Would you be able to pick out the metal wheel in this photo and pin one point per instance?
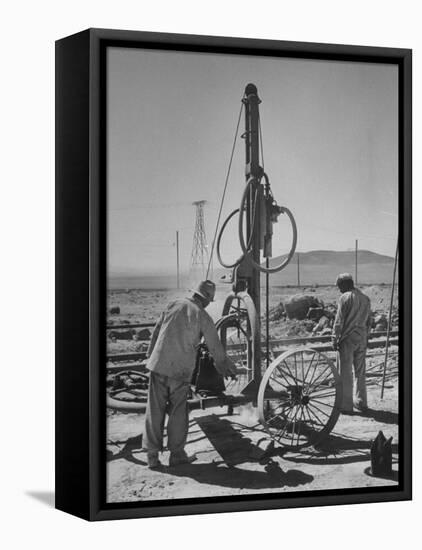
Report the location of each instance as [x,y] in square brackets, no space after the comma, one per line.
[299,398]
[239,334]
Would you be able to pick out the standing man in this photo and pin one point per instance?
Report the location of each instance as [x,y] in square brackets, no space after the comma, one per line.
[350,337]
[172,357]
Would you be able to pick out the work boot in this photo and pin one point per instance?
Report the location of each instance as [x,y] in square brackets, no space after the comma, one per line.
[177,459]
[153,461]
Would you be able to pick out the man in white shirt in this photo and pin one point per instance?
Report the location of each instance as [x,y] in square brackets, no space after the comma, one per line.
[350,337]
[172,357]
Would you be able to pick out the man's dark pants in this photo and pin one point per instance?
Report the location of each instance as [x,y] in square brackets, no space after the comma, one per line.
[166,395]
[352,354]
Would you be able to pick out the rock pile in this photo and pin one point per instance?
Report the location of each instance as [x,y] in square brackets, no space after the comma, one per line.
[304,314]
[380,320]
[298,306]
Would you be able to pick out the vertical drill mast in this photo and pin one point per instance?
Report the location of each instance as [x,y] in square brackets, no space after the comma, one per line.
[254,171]
[258,212]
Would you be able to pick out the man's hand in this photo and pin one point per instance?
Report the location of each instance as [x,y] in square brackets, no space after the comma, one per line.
[335,345]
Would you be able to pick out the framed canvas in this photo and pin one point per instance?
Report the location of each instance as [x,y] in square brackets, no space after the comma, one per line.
[233,277]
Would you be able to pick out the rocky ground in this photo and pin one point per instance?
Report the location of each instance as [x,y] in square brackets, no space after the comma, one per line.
[223,468]
[138,306]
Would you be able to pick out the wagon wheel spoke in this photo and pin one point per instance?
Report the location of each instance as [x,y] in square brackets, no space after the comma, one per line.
[314,384]
[309,366]
[290,373]
[279,370]
[311,405]
[312,422]
[322,395]
[314,371]
[279,435]
[303,369]
[310,412]
[313,400]
[279,415]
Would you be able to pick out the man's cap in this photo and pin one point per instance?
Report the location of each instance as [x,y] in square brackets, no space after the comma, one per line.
[344,277]
[206,289]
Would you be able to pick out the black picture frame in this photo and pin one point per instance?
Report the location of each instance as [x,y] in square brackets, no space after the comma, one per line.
[81,271]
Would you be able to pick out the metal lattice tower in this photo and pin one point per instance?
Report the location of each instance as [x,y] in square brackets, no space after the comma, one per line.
[199,257]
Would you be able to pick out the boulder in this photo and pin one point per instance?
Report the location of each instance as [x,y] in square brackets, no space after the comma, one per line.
[297,306]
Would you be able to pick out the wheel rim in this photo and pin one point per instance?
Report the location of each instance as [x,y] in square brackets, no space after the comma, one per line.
[236,340]
[299,398]
[238,333]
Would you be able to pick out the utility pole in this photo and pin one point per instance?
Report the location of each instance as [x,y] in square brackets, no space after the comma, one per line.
[298,269]
[199,257]
[177,259]
[356,262]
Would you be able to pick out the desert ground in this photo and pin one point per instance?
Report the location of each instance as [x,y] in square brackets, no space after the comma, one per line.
[251,465]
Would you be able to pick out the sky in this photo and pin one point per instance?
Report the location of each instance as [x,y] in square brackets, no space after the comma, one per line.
[330,150]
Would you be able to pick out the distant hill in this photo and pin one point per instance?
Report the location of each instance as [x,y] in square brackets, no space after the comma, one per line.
[334,257]
[323,266]
[316,267]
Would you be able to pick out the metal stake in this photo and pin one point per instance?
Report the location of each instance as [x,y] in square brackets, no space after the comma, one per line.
[389,320]
[298,269]
[177,259]
[356,262]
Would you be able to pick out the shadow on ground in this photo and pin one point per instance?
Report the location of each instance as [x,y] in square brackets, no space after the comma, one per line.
[234,449]
[384,417]
[45,497]
[236,478]
[336,449]
[129,446]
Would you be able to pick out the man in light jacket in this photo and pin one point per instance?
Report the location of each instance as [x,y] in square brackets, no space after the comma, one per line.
[350,337]
[172,357]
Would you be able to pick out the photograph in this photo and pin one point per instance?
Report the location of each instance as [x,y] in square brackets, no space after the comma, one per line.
[209,251]
[252,257]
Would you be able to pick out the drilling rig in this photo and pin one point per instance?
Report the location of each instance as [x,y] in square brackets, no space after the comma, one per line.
[298,394]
